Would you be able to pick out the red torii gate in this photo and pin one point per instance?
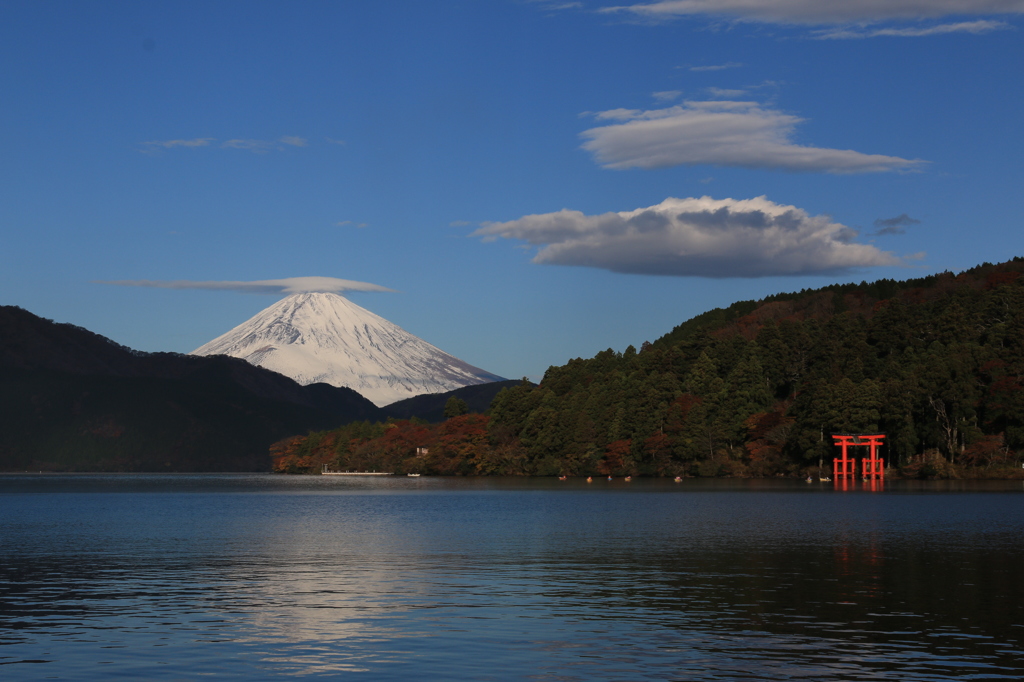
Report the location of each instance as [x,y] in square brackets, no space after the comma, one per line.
[872,467]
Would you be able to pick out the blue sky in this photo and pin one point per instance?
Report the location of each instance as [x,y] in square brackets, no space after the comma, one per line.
[536,180]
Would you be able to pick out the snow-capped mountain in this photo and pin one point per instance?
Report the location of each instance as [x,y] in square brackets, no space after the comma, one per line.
[322,337]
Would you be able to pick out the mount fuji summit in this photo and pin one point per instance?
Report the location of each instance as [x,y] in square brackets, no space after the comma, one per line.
[324,337]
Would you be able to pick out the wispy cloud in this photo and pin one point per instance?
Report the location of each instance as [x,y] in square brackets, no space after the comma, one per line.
[725,93]
[169,144]
[819,12]
[720,133]
[846,19]
[264,146]
[257,146]
[352,223]
[897,225]
[291,285]
[557,5]
[715,67]
[667,95]
[974,27]
[701,237]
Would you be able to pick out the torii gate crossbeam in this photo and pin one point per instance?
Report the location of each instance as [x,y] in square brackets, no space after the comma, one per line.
[872,467]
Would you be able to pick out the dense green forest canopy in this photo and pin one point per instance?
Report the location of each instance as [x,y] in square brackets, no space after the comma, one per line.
[756,389]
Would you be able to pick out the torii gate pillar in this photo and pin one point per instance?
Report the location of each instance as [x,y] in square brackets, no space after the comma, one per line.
[872,467]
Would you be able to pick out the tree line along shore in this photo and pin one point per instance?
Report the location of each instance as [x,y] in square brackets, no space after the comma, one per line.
[752,390]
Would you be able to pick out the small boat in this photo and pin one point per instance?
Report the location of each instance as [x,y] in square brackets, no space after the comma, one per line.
[629,478]
[679,479]
[562,478]
[609,478]
[414,475]
[590,479]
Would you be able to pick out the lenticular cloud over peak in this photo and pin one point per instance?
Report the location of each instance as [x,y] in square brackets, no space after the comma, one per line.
[702,237]
[289,285]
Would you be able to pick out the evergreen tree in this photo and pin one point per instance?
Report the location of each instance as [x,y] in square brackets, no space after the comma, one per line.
[455,407]
[746,393]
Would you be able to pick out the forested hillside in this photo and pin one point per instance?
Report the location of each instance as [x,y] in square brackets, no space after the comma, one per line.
[72,400]
[936,363]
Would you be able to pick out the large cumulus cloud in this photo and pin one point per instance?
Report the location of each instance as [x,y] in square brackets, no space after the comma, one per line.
[702,237]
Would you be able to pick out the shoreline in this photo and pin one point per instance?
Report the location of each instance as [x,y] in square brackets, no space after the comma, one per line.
[1012,474]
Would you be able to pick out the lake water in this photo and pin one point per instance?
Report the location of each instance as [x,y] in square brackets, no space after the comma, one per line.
[261,576]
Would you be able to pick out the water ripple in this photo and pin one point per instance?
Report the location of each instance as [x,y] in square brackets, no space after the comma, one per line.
[246,578]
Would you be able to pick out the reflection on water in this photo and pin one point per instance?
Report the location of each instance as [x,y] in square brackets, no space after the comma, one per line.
[260,576]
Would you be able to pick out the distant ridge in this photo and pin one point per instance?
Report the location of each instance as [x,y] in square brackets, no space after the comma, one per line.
[324,337]
[72,400]
[431,407]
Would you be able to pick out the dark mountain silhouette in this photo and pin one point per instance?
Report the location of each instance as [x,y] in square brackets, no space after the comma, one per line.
[430,407]
[72,400]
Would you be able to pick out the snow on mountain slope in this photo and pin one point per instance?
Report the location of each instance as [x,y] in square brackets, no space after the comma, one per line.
[323,337]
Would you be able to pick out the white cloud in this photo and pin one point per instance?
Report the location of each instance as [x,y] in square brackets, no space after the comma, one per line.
[263,146]
[715,67]
[617,114]
[168,144]
[821,11]
[667,95]
[724,93]
[720,133]
[291,285]
[974,27]
[701,237]
[257,146]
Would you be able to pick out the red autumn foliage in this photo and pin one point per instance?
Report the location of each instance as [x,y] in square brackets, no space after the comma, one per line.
[456,446]
[997,279]
[616,460]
